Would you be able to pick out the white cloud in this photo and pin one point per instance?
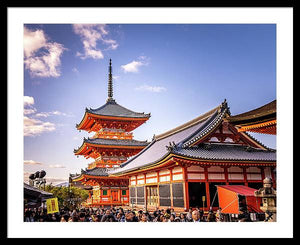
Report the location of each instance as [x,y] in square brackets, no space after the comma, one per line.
[28,100]
[132,66]
[33,41]
[28,103]
[31,162]
[56,166]
[135,64]
[51,113]
[154,89]
[90,34]
[33,127]
[41,57]
[29,111]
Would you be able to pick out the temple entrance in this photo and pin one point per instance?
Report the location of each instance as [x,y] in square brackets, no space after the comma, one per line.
[114,195]
[152,196]
[196,193]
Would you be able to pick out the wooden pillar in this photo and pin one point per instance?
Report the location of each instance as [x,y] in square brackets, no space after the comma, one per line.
[263,176]
[145,192]
[226,175]
[111,199]
[273,177]
[120,196]
[186,188]
[158,203]
[171,189]
[245,176]
[207,187]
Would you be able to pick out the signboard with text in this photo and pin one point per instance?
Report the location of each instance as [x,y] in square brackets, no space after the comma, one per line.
[52,205]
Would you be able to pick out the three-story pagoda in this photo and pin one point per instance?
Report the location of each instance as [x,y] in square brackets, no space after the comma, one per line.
[111,145]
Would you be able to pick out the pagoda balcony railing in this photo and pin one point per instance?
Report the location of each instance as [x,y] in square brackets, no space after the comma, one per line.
[104,163]
[113,135]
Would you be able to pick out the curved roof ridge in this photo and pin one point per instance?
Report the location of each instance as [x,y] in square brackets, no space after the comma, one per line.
[207,127]
[264,110]
[121,113]
[188,124]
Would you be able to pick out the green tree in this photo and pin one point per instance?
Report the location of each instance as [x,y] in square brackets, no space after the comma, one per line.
[69,197]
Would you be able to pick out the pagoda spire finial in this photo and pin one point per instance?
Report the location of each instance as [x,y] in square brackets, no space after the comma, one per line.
[110,85]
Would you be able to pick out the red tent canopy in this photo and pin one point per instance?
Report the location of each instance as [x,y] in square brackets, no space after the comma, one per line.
[240,189]
[229,198]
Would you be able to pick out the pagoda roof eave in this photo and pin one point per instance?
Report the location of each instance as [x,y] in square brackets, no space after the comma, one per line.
[113,109]
[78,178]
[85,121]
[110,143]
[124,118]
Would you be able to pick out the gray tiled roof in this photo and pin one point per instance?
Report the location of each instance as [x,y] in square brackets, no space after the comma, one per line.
[226,152]
[96,172]
[112,108]
[157,150]
[116,142]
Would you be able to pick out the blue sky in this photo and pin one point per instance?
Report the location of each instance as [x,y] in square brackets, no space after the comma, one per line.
[175,72]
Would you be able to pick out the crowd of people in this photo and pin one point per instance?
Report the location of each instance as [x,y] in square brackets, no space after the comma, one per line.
[120,215]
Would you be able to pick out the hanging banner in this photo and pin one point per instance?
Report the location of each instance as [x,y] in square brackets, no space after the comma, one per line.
[52,205]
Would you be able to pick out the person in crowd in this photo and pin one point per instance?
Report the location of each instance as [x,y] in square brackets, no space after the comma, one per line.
[219,216]
[167,214]
[156,212]
[82,217]
[28,215]
[196,216]
[244,215]
[177,219]
[165,219]
[182,217]
[144,218]
[108,217]
[211,217]
[130,216]
[62,219]
[172,218]
[189,217]
[140,214]
[120,217]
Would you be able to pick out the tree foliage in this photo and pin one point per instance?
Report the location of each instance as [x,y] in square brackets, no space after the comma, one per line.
[69,197]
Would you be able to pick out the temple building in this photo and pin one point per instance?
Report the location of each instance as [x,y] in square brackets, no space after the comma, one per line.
[111,145]
[182,167]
